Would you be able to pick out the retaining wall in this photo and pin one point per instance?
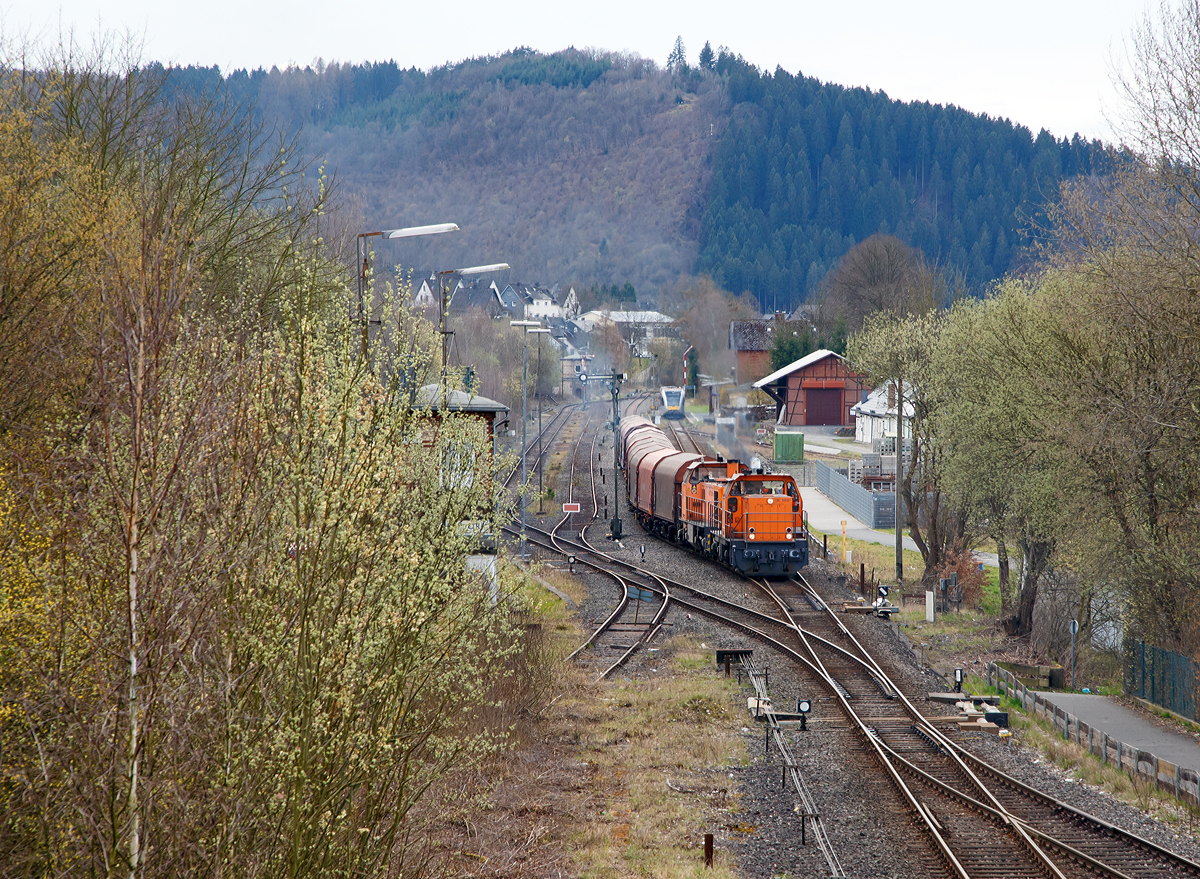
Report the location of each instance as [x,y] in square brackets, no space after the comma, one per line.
[1184,783]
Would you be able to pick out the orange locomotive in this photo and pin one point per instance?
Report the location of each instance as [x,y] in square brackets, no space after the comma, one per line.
[749,520]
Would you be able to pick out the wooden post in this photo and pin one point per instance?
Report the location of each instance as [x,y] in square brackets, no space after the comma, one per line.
[708,849]
[862,578]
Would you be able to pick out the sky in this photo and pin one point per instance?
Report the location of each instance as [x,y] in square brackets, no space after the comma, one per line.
[1047,64]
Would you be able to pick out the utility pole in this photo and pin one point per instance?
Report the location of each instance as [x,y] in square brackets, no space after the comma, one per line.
[537,390]
[614,386]
[899,479]
[444,322]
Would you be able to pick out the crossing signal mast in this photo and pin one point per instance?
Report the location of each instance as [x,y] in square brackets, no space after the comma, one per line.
[613,381]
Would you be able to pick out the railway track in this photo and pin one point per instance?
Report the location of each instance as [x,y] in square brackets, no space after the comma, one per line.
[976,820]
[982,822]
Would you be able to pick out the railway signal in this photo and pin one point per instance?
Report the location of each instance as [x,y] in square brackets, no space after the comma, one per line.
[1074,632]
[614,380]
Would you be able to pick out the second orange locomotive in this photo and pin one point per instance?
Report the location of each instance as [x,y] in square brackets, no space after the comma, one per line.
[749,520]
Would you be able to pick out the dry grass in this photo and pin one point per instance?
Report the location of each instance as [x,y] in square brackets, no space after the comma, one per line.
[609,780]
[1076,762]
[879,558]
[658,749]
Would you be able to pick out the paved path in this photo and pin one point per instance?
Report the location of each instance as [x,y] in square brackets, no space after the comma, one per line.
[1111,717]
[822,450]
[826,516]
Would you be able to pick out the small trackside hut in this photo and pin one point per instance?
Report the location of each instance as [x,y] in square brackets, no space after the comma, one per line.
[818,389]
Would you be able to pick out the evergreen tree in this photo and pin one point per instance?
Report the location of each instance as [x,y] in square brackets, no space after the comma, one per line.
[707,59]
[677,60]
[789,348]
[806,170]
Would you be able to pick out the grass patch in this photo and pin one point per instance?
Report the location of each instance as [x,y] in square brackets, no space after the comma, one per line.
[1038,734]
[879,558]
[657,754]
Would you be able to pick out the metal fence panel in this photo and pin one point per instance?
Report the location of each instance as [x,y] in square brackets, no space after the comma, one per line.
[1160,676]
[852,498]
[885,510]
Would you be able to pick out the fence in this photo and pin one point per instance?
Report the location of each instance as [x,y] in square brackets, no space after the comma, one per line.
[874,509]
[1160,676]
[1184,783]
[804,474]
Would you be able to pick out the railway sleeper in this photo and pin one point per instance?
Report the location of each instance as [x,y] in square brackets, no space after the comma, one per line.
[928,738]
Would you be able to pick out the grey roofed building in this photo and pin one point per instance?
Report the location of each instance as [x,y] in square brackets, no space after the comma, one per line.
[751,335]
[509,299]
[436,397]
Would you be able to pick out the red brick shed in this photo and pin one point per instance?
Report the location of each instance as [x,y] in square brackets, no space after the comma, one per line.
[817,389]
[751,342]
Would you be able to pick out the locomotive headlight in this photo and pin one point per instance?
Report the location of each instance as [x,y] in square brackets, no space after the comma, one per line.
[789,533]
[751,534]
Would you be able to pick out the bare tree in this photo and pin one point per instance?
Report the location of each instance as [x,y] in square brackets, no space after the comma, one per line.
[879,275]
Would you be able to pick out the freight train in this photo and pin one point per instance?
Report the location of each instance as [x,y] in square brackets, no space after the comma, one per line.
[746,519]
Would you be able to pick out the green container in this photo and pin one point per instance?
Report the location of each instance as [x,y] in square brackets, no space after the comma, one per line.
[789,446]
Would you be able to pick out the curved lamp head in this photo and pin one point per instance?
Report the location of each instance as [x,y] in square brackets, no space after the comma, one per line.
[477,270]
[415,231]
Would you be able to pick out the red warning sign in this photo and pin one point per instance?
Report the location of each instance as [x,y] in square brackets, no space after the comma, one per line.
[570,508]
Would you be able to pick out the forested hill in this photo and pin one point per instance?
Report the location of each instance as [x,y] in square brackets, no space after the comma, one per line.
[595,168]
[804,170]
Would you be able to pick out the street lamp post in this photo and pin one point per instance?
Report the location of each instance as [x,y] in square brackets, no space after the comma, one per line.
[537,386]
[444,297]
[364,266]
[525,330]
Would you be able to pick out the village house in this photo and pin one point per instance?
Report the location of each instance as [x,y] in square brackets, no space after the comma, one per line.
[637,328]
[751,342]
[875,417]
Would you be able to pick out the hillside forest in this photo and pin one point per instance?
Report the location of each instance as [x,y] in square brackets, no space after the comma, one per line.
[592,168]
